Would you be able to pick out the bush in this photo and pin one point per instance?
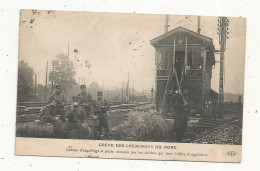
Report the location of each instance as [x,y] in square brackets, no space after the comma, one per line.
[142,126]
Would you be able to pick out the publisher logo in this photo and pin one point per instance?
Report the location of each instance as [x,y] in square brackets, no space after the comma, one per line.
[231,153]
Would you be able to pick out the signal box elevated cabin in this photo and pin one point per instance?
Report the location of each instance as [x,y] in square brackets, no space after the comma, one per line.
[189,56]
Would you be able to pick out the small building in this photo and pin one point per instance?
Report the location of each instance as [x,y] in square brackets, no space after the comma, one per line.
[189,56]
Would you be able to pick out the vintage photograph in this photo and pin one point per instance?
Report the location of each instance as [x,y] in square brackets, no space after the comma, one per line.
[130,78]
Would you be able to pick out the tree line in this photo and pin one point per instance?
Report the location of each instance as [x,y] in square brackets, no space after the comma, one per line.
[63,73]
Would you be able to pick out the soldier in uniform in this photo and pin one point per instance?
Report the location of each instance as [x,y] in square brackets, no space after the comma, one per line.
[101,109]
[180,118]
[47,116]
[51,112]
[76,122]
[86,101]
[57,103]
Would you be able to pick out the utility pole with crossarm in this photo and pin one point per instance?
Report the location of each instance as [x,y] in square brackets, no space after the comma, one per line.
[223,32]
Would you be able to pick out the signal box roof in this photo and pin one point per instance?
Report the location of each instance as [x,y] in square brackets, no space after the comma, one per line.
[193,37]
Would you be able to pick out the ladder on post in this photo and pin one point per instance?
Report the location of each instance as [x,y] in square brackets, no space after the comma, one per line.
[166,90]
[179,88]
[171,74]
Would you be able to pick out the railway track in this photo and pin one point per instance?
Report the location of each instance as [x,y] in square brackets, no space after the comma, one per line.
[31,113]
[200,130]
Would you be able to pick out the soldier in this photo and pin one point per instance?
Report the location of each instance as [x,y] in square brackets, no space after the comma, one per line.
[86,101]
[101,109]
[47,116]
[57,103]
[180,118]
[76,122]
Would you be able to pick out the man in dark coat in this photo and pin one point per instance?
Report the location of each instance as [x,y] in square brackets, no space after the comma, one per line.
[181,116]
[101,110]
[57,103]
[86,101]
[76,122]
[53,112]
[47,116]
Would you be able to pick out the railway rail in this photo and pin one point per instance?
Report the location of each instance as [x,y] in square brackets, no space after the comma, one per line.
[199,129]
[31,113]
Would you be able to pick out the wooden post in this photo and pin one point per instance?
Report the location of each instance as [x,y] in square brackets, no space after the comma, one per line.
[35,90]
[173,58]
[198,25]
[123,87]
[166,26]
[203,75]
[204,60]
[186,55]
[52,78]
[168,58]
[46,79]
[133,88]
[156,84]
[68,49]
[152,91]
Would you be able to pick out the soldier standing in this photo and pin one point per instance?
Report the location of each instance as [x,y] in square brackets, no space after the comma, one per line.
[76,122]
[101,109]
[57,103]
[86,101]
[180,118]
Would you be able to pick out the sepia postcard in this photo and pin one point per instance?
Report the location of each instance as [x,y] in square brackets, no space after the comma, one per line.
[131,86]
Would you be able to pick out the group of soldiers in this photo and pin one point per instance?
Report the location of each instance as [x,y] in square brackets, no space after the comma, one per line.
[71,121]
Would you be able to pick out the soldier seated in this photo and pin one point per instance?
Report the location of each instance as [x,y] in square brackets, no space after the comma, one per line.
[57,103]
[47,116]
[76,122]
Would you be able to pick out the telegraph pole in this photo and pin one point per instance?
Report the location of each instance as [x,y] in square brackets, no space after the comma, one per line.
[123,87]
[52,78]
[103,84]
[223,24]
[152,91]
[68,49]
[35,88]
[166,26]
[199,29]
[46,78]
[133,88]
[127,88]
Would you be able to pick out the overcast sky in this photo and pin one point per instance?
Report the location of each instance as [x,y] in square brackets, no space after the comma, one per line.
[116,44]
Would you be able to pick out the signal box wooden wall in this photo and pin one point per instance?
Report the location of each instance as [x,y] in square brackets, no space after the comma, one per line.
[192,54]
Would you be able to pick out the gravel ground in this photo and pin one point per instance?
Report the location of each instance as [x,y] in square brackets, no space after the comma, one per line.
[228,133]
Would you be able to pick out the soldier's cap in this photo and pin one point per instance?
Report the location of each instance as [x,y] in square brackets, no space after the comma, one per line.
[99,93]
[82,86]
[58,87]
[75,98]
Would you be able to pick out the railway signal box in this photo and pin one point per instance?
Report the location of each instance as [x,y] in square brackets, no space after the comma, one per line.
[184,60]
